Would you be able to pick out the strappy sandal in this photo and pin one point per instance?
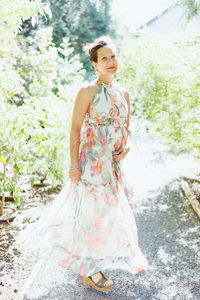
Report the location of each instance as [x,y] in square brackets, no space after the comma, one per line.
[99,285]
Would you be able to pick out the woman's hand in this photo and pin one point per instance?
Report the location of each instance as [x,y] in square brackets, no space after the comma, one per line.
[75,175]
[121,153]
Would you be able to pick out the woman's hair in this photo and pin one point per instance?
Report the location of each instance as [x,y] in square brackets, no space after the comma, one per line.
[91,48]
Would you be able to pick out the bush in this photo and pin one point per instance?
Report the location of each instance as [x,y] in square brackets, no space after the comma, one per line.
[37,92]
[162,75]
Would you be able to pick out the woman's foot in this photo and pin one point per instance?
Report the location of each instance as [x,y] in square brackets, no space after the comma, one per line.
[99,282]
[98,276]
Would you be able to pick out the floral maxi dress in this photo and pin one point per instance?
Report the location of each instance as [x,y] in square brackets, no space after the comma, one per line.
[90,226]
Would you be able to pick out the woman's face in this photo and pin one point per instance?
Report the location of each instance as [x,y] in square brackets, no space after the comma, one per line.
[106,60]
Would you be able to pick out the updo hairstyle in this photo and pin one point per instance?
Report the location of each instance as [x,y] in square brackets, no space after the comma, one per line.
[91,48]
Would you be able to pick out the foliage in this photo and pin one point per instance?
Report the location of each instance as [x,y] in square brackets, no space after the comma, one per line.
[14,13]
[80,21]
[192,7]
[92,24]
[37,91]
[162,75]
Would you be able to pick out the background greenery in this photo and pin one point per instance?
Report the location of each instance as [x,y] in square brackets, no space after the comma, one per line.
[80,21]
[162,75]
[192,7]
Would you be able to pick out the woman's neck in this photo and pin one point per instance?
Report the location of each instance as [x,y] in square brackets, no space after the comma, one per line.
[105,79]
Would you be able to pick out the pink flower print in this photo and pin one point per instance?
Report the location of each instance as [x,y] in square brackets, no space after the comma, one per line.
[102,139]
[93,112]
[90,135]
[120,243]
[81,271]
[97,222]
[72,247]
[123,140]
[83,157]
[117,128]
[120,178]
[94,194]
[87,191]
[139,269]
[96,168]
[113,112]
[66,262]
[95,241]
[109,198]
[129,193]
[117,144]
[54,235]
[117,124]
[98,121]
[109,229]
[70,255]
[117,188]
[114,174]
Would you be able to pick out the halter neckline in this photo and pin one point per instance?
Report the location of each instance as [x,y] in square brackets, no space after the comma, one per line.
[110,84]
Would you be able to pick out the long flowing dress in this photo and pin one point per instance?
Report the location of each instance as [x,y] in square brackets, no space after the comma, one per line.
[90,226]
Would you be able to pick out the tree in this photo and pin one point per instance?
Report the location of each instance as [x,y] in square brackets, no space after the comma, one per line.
[192,7]
[91,25]
[14,13]
[80,21]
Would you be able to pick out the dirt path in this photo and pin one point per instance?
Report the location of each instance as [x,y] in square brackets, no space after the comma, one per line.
[169,236]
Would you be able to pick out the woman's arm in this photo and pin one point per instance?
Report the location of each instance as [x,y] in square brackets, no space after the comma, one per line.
[126,94]
[80,108]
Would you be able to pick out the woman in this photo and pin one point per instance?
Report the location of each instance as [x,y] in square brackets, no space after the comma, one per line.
[91,224]
[105,135]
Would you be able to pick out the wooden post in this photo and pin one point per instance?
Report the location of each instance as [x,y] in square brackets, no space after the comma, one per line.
[191,197]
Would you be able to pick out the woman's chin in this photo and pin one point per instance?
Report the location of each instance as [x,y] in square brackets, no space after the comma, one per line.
[112,70]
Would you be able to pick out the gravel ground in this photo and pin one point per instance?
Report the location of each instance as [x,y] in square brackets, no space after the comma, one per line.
[168,231]
[170,239]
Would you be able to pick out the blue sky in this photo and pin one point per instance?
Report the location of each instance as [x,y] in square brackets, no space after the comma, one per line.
[135,13]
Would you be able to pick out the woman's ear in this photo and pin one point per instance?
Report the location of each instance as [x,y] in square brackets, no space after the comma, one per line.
[94,64]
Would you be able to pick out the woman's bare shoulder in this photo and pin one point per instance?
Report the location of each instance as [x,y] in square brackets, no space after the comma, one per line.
[123,91]
[88,88]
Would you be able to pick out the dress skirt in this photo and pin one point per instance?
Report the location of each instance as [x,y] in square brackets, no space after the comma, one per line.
[86,229]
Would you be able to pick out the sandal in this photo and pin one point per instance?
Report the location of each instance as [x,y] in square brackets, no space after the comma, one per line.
[99,285]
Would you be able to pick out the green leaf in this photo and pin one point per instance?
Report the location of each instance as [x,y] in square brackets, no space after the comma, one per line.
[34,20]
[32,181]
[47,10]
